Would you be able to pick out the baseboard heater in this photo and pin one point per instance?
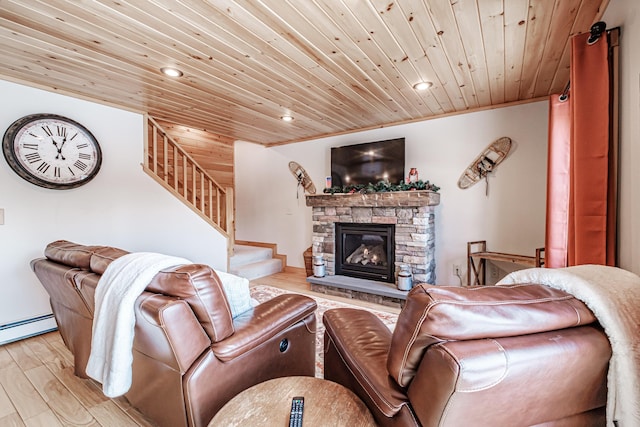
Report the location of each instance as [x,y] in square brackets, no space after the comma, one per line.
[27,328]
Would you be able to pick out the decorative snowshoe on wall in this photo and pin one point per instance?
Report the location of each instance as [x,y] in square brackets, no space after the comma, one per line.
[303,178]
[485,163]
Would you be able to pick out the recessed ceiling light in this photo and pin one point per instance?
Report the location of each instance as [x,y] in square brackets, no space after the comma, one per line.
[422,85]
[171,72]
[286,118]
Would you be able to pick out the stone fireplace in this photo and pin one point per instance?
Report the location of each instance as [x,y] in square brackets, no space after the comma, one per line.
[412,217]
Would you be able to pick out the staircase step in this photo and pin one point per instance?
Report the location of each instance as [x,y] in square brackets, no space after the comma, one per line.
[258,269]
[243,254]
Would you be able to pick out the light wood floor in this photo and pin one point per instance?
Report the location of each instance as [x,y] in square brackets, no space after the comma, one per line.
[38,388]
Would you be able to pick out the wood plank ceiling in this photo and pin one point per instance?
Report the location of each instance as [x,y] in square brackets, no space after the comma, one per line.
[336,66]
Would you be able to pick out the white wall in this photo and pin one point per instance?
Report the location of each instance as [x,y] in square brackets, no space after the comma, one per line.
[511,218]
[626,15]
[121,206]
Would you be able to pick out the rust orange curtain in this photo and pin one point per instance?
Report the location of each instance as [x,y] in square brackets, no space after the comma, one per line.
[581,188]
[558,180]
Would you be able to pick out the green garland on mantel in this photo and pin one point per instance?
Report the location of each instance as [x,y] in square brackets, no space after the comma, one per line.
[382,187]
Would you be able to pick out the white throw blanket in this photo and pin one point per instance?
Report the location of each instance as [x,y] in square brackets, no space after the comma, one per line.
[114,317]
[613,295]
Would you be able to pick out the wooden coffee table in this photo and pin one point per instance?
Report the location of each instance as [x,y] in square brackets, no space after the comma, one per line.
[268,404]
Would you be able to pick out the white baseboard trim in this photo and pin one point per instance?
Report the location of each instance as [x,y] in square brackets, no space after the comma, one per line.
[27,328]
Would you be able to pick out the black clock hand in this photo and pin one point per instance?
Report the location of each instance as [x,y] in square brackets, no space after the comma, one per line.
[60,149]
[59,155]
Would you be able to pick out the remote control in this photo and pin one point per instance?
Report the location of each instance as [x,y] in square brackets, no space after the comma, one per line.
[297,407]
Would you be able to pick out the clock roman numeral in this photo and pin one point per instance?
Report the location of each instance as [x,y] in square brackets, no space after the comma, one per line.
[62,131]
[30,146]
[71,171]
[32,157]
[84,156]
[47,130]
[74,135]
[56,172]
[80,165]
[81,146]
[44,167]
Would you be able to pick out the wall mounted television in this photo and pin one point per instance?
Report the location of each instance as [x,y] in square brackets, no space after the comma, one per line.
[371,162]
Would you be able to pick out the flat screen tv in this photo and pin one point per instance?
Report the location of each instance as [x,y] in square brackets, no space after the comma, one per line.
[371,162]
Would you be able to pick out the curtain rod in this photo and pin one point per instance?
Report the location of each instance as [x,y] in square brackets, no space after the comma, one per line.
[596,31]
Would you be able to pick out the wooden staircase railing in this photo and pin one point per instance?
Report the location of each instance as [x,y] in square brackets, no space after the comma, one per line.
[172,167]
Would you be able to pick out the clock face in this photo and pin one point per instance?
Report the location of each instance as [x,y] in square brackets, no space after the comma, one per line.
[52,151]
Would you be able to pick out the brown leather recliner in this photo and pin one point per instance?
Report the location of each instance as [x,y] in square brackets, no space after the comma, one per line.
[518,355]
[189,355]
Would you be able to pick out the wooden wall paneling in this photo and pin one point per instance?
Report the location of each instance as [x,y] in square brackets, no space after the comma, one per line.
[343,46]
[305,18]
[337,66]
[538,24]
[305,84]
[126,92]
[563,17]
[401,72]
[285,19]
[589,12]
[84,75]
[271,45]
[444,47]
[213,153]
[261,82]
[492,21]
[515,34]
[375,63]
[470,32]
[169,43]
[378,66]
[400,25]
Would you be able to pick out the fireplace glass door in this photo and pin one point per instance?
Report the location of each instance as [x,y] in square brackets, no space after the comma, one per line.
[365,251]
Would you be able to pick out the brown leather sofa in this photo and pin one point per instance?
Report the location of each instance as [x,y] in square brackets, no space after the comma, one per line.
[189,355]
[517,355]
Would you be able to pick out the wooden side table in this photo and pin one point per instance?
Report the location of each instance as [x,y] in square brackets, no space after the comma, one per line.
[269,403]
[479,250]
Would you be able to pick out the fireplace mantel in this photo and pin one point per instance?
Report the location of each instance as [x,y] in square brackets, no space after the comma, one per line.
[387,199]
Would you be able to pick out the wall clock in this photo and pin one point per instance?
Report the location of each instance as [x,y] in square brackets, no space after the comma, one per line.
[52,151]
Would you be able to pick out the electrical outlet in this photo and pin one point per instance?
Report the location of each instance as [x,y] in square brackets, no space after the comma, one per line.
[457,271]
